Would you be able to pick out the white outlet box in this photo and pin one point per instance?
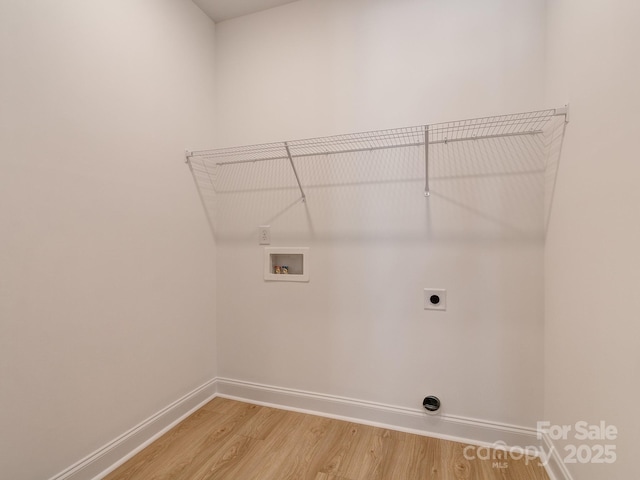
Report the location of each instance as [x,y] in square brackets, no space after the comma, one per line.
[435,299]
[264,234]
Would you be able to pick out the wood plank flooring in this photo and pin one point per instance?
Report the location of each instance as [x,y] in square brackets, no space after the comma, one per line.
[227,439]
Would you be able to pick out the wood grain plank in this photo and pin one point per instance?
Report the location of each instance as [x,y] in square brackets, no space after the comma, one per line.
[417,457]
[187,443]
[339,453]
[225,460]
[370,456]
[263,423]
[227,439]
[456,465]
[268,455]
[305,459]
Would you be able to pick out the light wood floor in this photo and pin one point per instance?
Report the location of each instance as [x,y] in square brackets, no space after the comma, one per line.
[227,439]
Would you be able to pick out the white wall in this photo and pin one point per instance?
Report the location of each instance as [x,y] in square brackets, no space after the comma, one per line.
[592,262]
[107,284]
[358,328]
[314,68]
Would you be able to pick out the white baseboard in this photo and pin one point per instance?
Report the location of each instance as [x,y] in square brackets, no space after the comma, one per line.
[448,427]
[106,459]
[556,469]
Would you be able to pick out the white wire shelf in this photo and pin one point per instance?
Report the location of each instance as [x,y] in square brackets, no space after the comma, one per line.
[527,123]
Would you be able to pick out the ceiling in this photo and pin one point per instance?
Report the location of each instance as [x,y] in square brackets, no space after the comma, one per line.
[219,10]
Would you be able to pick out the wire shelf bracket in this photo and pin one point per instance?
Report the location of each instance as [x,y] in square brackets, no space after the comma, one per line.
[563,111]
[295,172]
[426,161]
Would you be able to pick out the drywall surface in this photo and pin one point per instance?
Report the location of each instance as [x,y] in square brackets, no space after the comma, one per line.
[358,328]
[107,284]
[314,68]
[592,264]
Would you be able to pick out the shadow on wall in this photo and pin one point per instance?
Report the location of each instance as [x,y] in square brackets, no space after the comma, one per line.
[554,140]
[481,190]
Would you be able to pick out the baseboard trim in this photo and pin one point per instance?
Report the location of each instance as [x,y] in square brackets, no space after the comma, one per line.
[106,459]
[448,427]
[556,468]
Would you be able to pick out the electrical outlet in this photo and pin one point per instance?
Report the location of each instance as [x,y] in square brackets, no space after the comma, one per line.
[435,299]
[264,234]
